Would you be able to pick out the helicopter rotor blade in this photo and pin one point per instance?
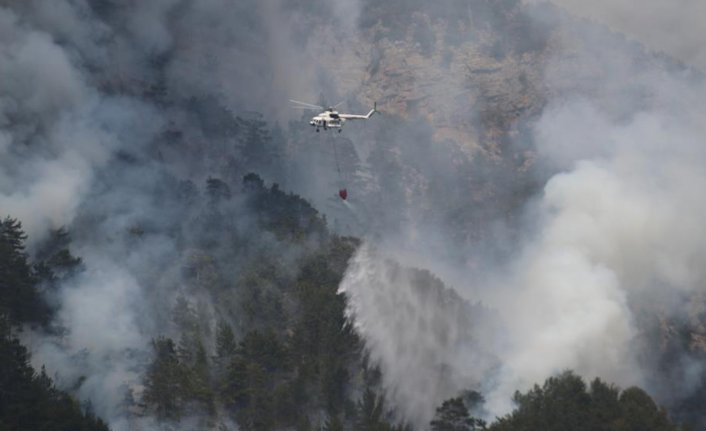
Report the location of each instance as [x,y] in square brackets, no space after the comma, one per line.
[339,104]
[307,104]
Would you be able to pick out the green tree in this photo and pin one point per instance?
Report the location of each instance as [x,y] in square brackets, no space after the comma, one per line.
[19,297]
[605,407]
[324,342]
[370,412]
[259,149]
[639,412]
[196,372]
[234,389]
[55,261]
[250,385]
[164,382]
[257,412]
[217,190]
[29,401]
[225,340]
[564,403]
[453,415]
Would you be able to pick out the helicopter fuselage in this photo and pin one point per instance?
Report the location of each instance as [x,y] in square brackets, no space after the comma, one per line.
[327,120]
[330,118]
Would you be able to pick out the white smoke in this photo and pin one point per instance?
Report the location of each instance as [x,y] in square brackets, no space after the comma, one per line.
[72,97]
[617,225]
[102,327]
[426,340]
[613,229]
[57,129]
[673,27]
[621,220]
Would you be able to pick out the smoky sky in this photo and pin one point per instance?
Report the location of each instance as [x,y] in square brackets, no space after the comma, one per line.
[542,166]
[674,28]
[613,226]
[105,107]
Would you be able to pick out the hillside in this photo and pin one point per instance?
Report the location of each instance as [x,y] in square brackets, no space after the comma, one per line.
[525,203]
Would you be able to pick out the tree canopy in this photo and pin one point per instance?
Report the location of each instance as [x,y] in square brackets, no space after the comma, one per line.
[565,403]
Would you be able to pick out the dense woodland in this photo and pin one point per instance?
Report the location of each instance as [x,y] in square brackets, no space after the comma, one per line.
[28,398]
[246,325]
[283,358]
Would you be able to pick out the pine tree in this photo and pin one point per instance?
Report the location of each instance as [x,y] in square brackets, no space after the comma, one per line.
[370,411]
[19,297]
[225,340]
[217,190]
[453,415]
[29,401]
[564,403]
[639,412]
[164,386]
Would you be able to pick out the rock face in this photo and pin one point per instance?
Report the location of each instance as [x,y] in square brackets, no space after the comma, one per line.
[456,83]
[476,72]
[457,78]
[478,78]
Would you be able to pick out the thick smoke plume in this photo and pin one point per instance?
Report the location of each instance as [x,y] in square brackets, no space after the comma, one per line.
[614,234]
[427,342]
[101,102]
[101,105]
[670,27]
[56,129]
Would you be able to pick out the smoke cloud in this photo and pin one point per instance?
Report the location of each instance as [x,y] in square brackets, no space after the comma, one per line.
[426,340]
[568,202]
[674,28]
[614,233]
[102,106]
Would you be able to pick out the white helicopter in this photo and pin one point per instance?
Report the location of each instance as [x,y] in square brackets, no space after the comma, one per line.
[330,118]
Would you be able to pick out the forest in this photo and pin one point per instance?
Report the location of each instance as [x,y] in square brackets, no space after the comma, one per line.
[520,246]
[292,360]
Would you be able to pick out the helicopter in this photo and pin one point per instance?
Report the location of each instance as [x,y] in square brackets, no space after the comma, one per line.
[330,118]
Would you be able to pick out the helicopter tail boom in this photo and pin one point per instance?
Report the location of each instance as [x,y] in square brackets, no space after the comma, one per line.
[372,111]
[360,117]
